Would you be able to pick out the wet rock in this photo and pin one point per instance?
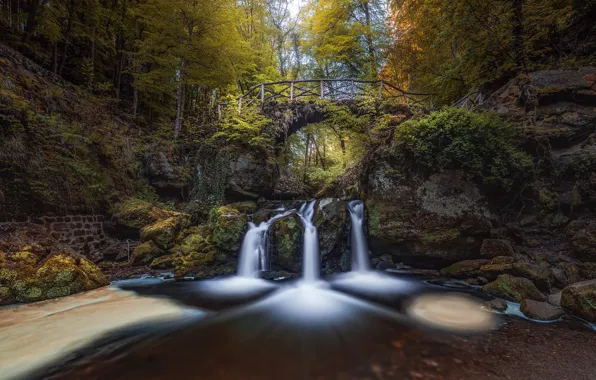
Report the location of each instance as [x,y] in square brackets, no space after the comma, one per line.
[332,221]
[286,236]
[555,299]
[228,226]
[145,253]
[492,248]
[496,304]
[539,275]
[580,299]
[542,311]
[164,262]
[513,288]
[464,269]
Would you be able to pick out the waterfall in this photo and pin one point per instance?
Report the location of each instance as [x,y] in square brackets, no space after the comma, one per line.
[253,254]
[252,249]
[360,261]
[310,247]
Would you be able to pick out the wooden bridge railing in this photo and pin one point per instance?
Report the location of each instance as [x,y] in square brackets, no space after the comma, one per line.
[329,89]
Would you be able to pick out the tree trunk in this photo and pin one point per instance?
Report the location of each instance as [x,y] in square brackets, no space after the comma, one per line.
[55,57]
[369,41]
[518,33]
[342,143]
[32,9]
[306,155]
[180,99]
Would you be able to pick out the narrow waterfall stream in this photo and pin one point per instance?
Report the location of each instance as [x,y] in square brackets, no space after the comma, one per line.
[360,260]
[253,254]
[310,247]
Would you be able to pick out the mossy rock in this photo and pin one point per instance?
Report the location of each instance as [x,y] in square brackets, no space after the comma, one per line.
[580,299]
[145,253]
[286,235]
[332,222]
[24,257]
[541,276]
[228,226]
[464,269]
[194,262]
[136,213]
[513,289]
[162,233]
[165,262]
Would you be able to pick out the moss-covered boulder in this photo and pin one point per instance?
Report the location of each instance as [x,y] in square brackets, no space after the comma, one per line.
[228,226]
[464,269]
[513,289]
[145,253]
[162,233]
[580,299]
[285,237]
[59,275]
[195,254]
[135,213]
[492,248]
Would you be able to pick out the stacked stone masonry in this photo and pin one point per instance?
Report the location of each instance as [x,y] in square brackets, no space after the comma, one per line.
[82,233]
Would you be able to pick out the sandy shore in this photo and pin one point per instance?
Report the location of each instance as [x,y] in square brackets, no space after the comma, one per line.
[34,335]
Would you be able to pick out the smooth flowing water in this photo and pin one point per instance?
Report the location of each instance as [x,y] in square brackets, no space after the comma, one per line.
[360,260]
[253,254]
[310,247]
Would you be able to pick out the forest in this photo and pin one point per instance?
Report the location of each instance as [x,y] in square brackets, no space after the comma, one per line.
[297,189]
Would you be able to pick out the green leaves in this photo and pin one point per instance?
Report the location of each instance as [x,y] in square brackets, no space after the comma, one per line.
[480,145]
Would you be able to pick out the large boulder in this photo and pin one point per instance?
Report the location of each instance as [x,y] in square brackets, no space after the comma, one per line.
[580,299]
[228,226]
[439,220]
[61,274]
[332,222]
[513,289]
[583,243]
[542,311]
[285,237]
[135,213]
[164,232]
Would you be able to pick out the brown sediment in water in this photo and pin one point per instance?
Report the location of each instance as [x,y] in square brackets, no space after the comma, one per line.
[34,335]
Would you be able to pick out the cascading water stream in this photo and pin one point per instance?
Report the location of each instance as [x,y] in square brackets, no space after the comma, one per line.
[360,260]
[253,254]
[310,247]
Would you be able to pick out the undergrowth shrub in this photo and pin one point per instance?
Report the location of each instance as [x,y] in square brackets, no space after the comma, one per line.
[482,146]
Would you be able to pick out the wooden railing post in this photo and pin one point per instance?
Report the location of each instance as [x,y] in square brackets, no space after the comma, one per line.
[262,93]
[239,105]
[322,95]
[292,91]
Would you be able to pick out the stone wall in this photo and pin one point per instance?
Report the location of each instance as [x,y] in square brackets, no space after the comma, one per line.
[82,233]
